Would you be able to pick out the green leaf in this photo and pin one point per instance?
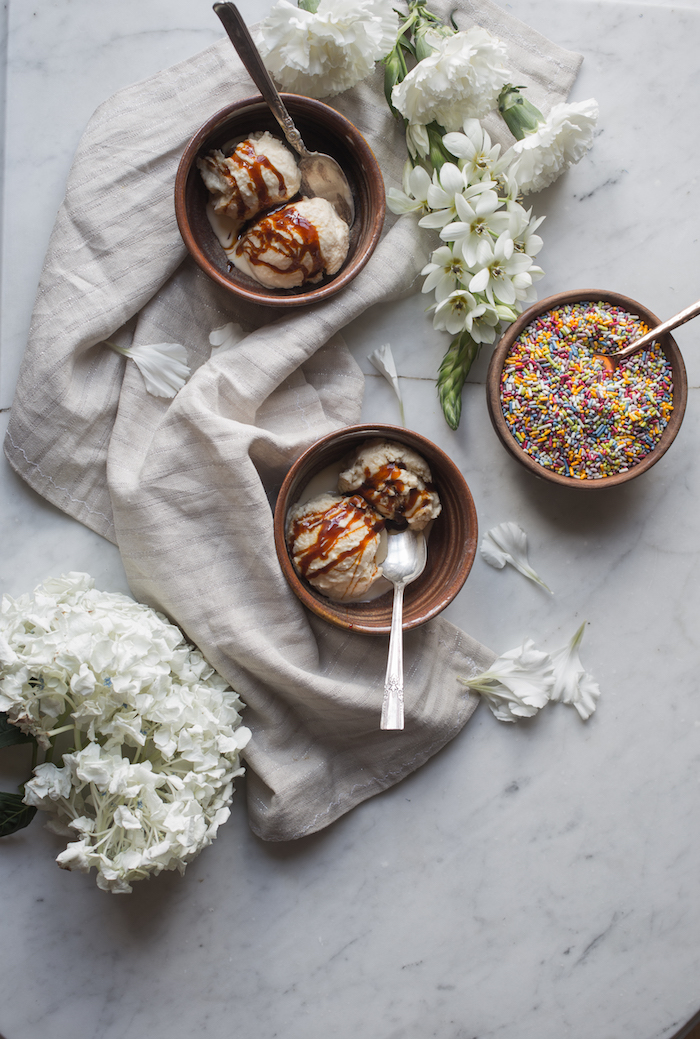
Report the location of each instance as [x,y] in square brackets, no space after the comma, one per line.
[11,734]
[14,814]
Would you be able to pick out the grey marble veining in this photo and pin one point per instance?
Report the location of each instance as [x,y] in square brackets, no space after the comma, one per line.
[533,881]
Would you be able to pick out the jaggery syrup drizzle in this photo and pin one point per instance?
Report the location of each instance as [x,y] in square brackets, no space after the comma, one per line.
[293,242]
[333,527]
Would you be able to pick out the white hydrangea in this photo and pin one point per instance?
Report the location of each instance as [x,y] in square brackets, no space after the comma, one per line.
[325,52]
[156,733]
[461,79]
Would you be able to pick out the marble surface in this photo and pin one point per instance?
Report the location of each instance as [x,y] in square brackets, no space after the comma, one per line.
[536,881]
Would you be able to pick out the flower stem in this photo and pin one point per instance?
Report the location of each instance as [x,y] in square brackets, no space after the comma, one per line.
[453,372]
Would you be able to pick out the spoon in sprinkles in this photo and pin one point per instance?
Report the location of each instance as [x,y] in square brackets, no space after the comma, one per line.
[611,361]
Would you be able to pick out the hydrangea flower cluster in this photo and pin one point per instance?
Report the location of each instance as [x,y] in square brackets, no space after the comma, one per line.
[152,734]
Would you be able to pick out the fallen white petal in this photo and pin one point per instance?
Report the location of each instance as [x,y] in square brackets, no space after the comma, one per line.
[383,361]
[507,543]
[573,685]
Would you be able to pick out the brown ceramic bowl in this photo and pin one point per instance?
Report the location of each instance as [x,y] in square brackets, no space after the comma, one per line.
[493,389]
[322,129]
[451,545]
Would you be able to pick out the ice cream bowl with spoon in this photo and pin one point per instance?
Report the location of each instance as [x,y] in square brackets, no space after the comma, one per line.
[322,127]
[451,536]
[567,416]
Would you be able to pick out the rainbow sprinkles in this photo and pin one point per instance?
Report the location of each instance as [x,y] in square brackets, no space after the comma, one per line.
[571,414]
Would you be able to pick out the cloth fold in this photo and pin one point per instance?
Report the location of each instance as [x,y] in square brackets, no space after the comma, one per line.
[186,487]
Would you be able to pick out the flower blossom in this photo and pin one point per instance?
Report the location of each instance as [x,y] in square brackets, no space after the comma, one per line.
[558,142]
[517,684]
[327,51]
[156,732]
[523,680]
[462,78]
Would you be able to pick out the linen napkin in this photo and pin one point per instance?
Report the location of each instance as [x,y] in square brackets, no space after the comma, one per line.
[186,487]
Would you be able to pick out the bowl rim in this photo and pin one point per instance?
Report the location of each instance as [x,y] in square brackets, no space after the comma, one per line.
[367,161]
[332,611]
[493,393]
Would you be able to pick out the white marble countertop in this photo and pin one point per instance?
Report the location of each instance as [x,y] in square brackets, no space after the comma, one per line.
[537,881]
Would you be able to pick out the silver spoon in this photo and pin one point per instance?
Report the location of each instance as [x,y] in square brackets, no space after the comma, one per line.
[406,556]
[612,360]
[321,176]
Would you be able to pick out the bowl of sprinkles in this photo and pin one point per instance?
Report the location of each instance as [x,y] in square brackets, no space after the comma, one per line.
[567,416]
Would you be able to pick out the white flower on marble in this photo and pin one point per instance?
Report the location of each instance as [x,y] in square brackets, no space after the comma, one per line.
[227,336]
[572,683]
[383,360]
[558,143]
[150,734]
[518,684]
[507,544]
[325,51]
[461,78]
[522,681]
[163,365]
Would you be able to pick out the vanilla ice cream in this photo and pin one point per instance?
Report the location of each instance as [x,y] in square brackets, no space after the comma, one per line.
[296,244]
[395,480]
[260,173]
[334,541]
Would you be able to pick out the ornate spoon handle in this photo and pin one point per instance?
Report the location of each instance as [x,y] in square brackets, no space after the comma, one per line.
[392,706]
[250,56]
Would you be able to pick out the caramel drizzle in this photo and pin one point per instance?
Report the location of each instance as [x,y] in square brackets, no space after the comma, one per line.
[330,527]
[290,236]
[247,159]
[387,484]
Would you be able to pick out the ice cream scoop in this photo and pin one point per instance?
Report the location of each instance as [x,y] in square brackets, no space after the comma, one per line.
[259,173]
[395,480]
[299,243]
[333,542]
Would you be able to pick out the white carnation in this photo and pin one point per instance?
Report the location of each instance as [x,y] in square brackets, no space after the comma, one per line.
[461,79]
[323,53]
[559,142]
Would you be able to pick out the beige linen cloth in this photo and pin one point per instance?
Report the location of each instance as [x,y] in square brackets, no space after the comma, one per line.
[185,487]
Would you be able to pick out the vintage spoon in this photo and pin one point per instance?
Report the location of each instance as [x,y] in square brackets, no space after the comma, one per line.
[321,176]
[611,361]
[406,556]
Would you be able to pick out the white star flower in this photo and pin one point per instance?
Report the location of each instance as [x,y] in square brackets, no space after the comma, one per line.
[495,278]
[478,222]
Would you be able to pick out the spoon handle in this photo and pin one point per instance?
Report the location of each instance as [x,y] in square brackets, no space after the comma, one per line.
[250,56]
[392,706]
[673,322]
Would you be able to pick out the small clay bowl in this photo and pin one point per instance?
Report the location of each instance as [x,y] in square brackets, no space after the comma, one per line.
[503,349]
[322,129]
[451,545]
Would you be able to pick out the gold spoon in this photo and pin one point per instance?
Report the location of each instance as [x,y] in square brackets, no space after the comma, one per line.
[611,361]
[321,176]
